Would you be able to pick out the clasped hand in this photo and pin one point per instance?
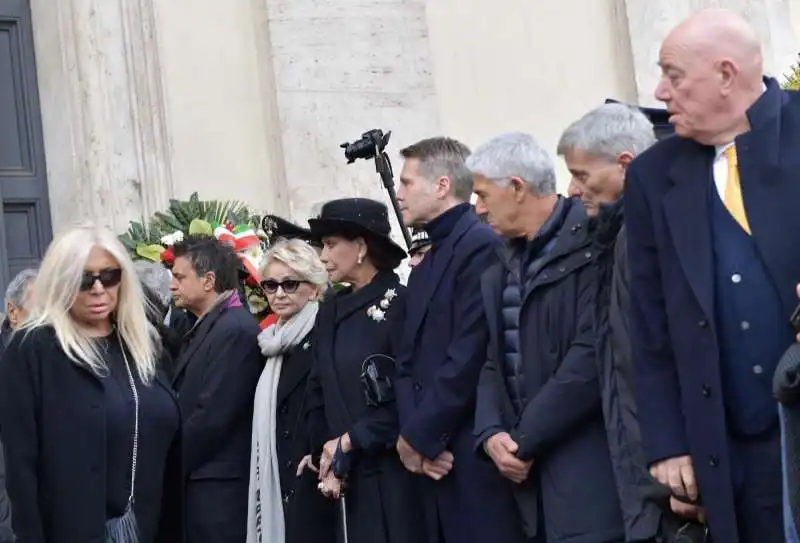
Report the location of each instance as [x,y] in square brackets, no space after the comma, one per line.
[414,462]
[502,449]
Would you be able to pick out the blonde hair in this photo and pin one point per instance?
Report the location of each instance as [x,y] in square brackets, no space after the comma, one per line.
[56,289]
[302,258]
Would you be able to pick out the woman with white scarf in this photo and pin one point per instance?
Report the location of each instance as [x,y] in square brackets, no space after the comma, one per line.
[285,504]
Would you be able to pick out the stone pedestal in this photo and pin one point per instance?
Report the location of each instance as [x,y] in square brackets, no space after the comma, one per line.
[342,67]
[102,110]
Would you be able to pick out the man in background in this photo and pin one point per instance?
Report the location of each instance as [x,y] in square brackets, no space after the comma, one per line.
[18,294]
[215,377]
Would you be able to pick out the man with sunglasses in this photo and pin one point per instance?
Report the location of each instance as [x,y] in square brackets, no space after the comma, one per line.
[216,376]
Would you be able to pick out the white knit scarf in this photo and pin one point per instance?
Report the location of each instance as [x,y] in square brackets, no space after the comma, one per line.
[265,508]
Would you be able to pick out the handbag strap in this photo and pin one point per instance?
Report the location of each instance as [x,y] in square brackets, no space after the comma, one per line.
[135,452]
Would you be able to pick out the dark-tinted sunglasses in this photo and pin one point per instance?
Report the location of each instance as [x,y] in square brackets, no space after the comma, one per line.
[289,286]
[107,278]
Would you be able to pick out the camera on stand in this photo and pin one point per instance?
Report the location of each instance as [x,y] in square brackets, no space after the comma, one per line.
[372,145]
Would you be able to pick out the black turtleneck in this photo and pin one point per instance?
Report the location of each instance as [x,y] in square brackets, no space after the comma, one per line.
[439,228]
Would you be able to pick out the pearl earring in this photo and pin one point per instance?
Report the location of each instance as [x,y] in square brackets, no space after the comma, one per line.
[360,259]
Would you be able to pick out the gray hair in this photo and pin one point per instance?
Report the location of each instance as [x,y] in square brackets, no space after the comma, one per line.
[443,157]
[608,131]
[15,292]
[302,258]
[155,277]
[515,155]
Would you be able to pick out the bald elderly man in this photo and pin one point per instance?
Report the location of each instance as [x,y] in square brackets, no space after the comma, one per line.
[713,219]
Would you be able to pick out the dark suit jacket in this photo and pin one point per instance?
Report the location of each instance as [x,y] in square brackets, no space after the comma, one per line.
[439,362]
[674,341]
[216,378]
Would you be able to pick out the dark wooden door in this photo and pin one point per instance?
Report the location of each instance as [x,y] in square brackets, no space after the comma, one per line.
[25,228]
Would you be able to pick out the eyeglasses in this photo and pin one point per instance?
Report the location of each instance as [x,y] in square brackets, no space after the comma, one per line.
[289,286]
[107,278]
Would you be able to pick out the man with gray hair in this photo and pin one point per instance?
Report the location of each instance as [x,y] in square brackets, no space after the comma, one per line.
[538,415]
[17,296]
[597,149]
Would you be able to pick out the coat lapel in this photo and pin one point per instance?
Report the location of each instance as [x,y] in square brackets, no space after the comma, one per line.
[686,207]
[771,193]
[442,257]
[197,337]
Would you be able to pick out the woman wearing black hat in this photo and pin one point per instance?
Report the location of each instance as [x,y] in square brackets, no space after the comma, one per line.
[350,384]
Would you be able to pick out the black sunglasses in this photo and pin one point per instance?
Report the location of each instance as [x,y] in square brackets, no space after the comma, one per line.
[289,286]
[107,278]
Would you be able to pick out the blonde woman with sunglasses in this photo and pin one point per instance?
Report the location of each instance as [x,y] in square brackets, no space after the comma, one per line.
[89,428]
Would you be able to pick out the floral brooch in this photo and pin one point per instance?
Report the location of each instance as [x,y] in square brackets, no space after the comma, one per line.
[377,312]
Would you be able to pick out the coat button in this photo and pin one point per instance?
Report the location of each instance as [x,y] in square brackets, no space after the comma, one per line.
[588,254]
[284,408]
[706,391]
[702,323]
[417,386]
[562,269]
[286,434]
[713,461]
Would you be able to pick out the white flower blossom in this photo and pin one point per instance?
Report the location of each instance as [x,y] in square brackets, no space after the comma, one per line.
[391,294]
[378,315]
[173,238]
[384,304]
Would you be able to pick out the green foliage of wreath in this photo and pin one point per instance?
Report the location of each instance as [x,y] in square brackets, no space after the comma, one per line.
[179,216]
[791,81]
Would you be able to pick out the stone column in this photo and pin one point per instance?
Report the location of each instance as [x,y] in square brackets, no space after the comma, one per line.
[649,23]
[100,89]
[341,67]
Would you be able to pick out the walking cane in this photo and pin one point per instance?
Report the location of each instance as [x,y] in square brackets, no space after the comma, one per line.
[343,515]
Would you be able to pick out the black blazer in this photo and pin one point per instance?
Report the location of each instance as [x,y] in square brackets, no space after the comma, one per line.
[216,377]
[52,419]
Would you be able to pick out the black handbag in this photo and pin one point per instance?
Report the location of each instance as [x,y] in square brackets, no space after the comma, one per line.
[377,372]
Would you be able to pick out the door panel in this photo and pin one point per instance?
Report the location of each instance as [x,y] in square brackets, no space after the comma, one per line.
[25,228]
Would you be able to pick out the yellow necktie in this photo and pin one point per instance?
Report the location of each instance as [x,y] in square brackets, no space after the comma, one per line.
[733,190]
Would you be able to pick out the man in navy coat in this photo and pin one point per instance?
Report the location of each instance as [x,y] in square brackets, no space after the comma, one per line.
[714,255]
[443,349]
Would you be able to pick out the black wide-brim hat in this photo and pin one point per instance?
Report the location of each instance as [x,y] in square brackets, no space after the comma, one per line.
[279,228]
[658,116]
[356,217]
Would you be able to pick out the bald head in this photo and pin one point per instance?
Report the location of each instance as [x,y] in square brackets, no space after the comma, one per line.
[721,35]
[712,69]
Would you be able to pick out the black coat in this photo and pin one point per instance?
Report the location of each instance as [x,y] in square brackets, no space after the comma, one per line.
[6,534]
[381,503]
[53,422]
[674,340]
[216,378]
[309,516]
[645,502]
[442,351]
[561,428]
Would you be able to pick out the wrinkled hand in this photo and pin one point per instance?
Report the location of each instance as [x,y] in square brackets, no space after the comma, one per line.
[502,450]
[678,474]
[328,452]
[436,469]
[306,462]
[411,459]
[331,487]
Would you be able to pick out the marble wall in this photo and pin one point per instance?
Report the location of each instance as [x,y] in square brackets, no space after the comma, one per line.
[144,100]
